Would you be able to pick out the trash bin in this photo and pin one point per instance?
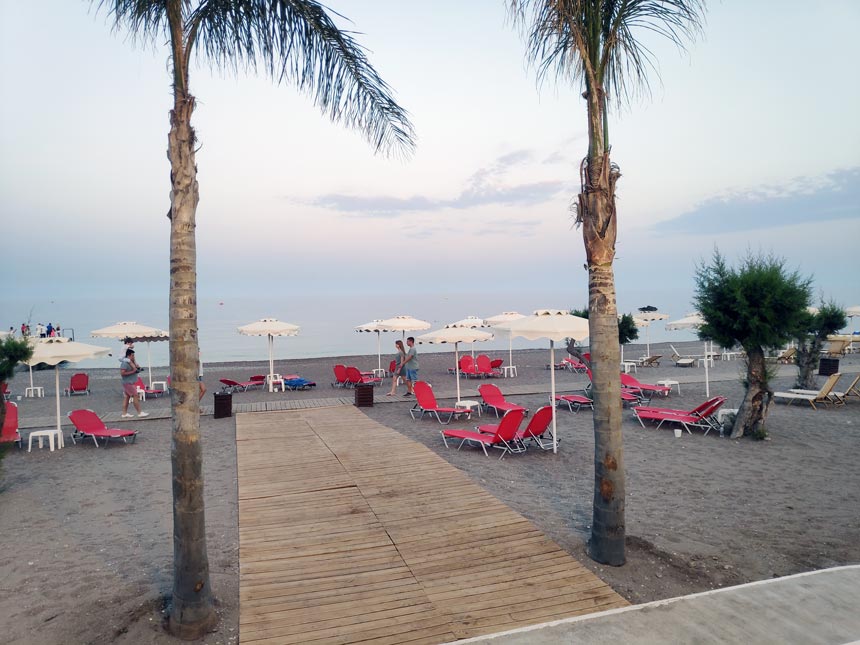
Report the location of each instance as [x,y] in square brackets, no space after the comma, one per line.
[364,396]
[828,366]
[223,405]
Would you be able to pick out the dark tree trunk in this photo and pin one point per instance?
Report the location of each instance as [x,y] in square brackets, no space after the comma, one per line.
[753,411]
[808,356]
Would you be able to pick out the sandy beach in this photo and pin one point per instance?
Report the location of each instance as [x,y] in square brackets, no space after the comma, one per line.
[88,531]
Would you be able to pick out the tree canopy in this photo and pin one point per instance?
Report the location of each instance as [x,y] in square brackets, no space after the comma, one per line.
[758,304]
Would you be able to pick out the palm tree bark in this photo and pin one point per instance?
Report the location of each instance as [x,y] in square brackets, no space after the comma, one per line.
[753,411]
[597,213]
[193,611]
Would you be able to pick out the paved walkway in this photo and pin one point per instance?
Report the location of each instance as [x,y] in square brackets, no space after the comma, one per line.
[349,531]
[816,608]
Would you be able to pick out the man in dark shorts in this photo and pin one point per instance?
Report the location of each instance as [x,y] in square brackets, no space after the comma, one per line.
[128,369]
[410,366]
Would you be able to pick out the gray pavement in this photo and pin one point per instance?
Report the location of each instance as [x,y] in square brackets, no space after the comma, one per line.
[820,607]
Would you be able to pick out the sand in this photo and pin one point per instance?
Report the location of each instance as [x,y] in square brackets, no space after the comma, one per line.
[88,532]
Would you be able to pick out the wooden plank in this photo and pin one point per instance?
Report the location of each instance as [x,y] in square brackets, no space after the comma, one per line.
[350,532]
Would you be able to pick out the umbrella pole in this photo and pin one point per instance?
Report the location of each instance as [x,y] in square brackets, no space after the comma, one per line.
[271,364]
[510,348]
[149,362]
[457,368]
[31,377]
[707,385]
[647,342]
[379,349]
[552,395]
[57,387]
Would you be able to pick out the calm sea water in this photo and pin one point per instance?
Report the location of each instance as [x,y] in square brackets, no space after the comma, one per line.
[327,322]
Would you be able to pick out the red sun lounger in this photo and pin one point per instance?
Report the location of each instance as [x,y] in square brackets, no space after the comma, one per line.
[493,399]
[88,424]
[702,416]
[502,435]
[425,403]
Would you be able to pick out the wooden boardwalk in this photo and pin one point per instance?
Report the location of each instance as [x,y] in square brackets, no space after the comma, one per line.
[349,532]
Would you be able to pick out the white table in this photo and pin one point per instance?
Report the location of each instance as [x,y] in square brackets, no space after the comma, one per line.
[379,372]
[160,385]
[469,405]
[669,383]
[707,359]
[509,371]
[41,434]
[34,392]
[629,365]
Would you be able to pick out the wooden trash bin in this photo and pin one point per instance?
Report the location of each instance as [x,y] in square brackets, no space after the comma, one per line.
[364,396]
[223,405]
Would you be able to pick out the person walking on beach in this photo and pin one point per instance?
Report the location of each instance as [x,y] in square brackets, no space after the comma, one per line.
[128,369]
[40,330]
[410,366]
[398,365]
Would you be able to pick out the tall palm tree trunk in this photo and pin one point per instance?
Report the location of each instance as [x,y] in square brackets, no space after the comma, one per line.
[193,611]
[599,226]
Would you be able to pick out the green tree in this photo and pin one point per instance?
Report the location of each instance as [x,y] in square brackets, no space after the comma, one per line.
[593,43]
[760,305]
[813,332]
[295,41]
[12,351]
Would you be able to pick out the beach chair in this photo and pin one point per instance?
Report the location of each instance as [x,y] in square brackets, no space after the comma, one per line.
[230,386]
[788,356]
[537,428]
[493,398]
[296,382]
[682,361]
[4,390]
[702,416]
[824,395]
[574,365]
[501,435]
[574,401]
[853,389]
[425,403]
[340,379]
[144,392]
[646,389]
[256,380]
[650,361]
[835,348]
[78,384]
[484,367]
[467,367]
[88,424]
[355,377]
[9,433]
[497,363]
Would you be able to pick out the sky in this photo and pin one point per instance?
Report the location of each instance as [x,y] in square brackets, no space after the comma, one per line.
[749,142]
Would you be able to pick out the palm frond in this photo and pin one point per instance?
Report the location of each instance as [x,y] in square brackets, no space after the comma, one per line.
[599,41]
[293,41]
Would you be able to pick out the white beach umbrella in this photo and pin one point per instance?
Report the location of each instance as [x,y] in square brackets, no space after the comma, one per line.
[455,335]
[404,324]
[693,321]
[54,351]
[506,316]
[4,334]
[644,319]
[554,324]
[270,327]
[135,333]
[469,322]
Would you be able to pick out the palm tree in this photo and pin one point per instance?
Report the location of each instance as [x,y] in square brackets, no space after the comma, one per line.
[592,43]
[294,41]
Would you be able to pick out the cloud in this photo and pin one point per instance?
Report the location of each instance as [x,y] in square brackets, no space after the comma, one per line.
[805,199]
[487,186]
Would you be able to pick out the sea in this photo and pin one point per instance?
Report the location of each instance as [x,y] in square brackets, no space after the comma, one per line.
[327,322]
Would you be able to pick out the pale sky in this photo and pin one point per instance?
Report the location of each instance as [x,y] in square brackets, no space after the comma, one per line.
[750,140]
